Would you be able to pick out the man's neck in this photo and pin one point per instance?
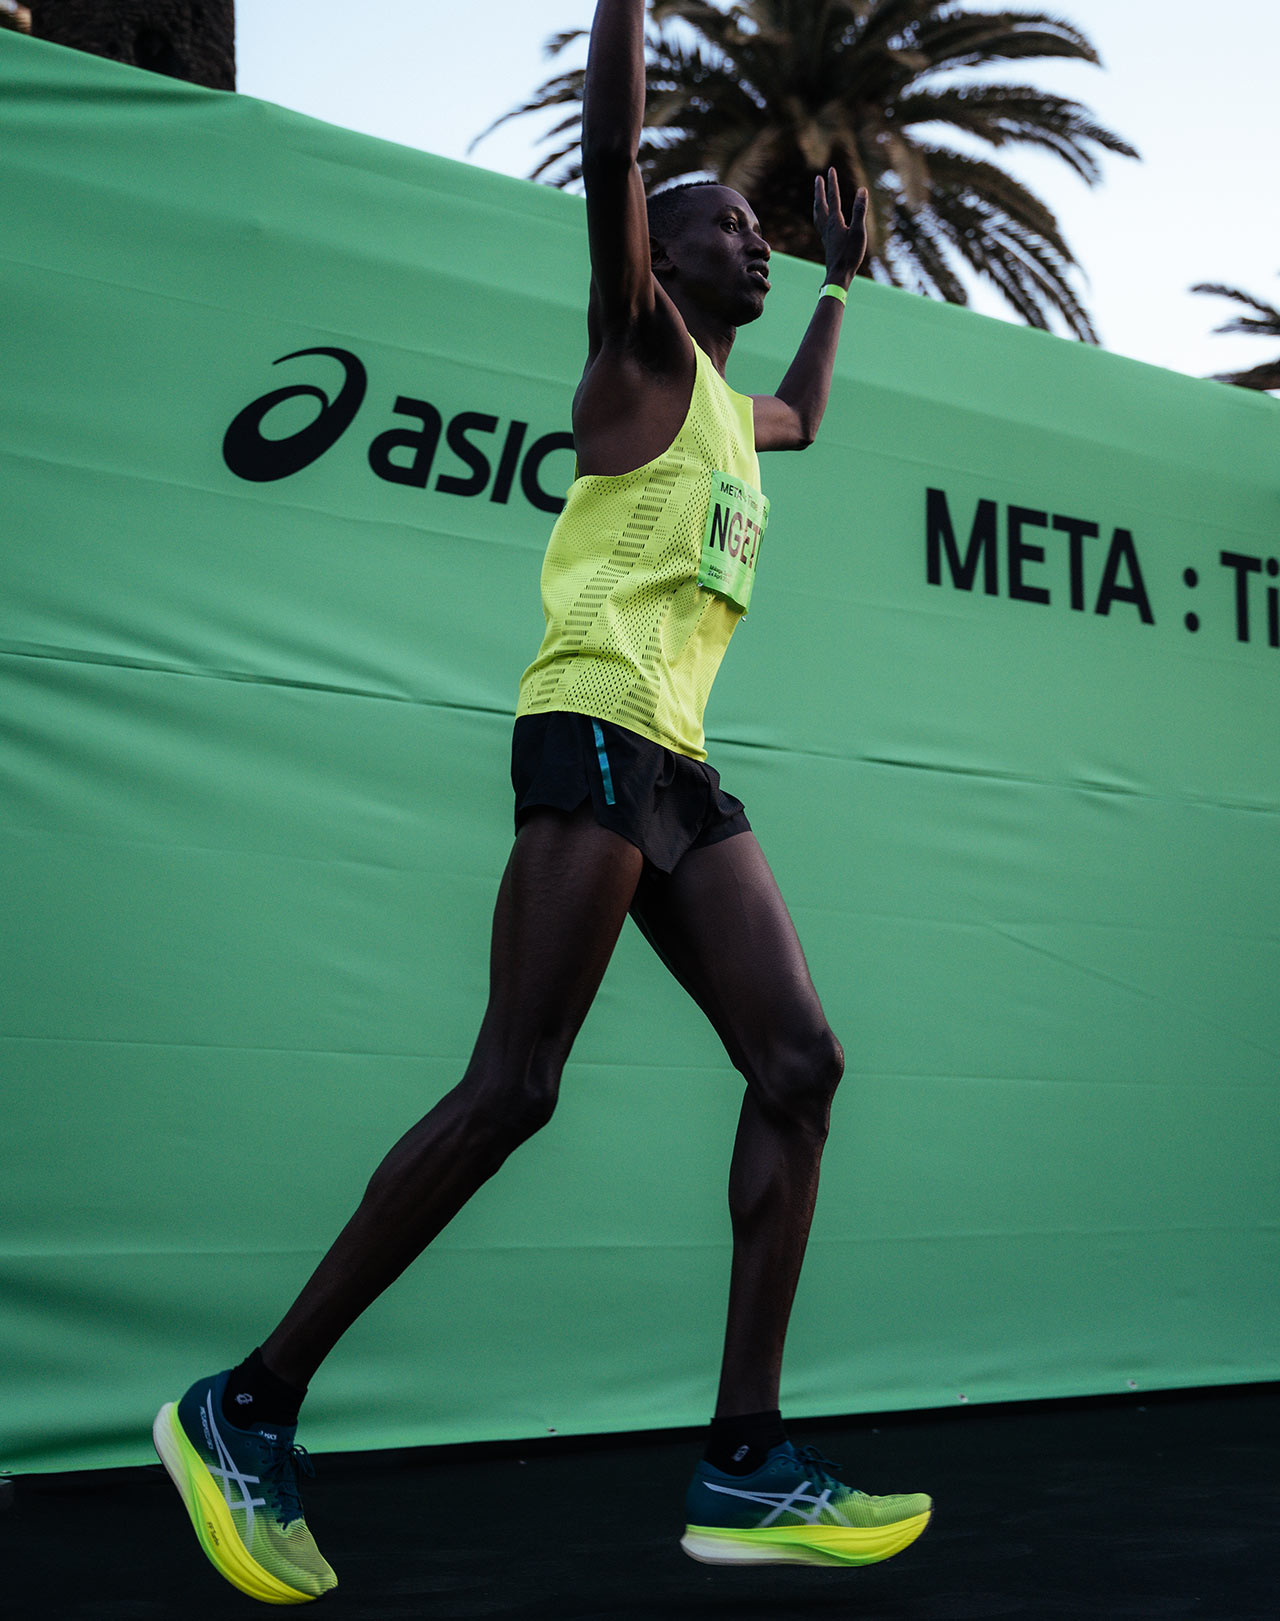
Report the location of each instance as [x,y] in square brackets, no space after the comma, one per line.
[711,334]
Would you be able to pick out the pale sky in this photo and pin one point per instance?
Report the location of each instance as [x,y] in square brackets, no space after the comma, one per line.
[1192,86]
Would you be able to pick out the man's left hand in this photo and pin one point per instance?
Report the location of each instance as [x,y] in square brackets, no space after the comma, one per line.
[845,242]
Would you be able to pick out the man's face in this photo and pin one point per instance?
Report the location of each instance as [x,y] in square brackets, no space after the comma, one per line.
[719,255]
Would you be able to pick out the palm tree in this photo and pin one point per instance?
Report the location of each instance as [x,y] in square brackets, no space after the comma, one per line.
[1265,323]
[763,94]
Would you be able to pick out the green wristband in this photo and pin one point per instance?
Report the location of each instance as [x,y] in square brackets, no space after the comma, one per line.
[834,290]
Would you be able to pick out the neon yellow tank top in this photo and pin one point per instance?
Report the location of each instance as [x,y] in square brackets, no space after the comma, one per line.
[631,636]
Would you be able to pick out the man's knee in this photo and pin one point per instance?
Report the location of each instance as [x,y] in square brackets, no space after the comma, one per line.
[509,1105]
[538,1093]
[800,1081]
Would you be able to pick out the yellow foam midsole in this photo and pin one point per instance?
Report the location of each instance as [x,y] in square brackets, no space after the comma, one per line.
[212,1518]
[818,1544]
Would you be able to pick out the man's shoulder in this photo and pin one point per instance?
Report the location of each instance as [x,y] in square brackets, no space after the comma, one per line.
[653,348]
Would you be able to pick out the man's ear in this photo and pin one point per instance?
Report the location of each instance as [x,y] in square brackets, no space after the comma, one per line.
[659,258]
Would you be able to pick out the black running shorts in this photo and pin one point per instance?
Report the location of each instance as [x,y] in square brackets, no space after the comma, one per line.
[663,803]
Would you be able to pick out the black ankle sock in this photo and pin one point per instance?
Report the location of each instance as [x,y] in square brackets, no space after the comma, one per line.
[739,1445]
[254,1395]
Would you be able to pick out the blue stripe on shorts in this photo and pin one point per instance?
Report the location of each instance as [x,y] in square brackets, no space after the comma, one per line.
[606,776]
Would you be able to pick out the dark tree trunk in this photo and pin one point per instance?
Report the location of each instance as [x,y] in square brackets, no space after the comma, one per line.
[187,39]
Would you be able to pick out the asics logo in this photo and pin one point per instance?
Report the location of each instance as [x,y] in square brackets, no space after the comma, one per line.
[234,1484]
[807,1508]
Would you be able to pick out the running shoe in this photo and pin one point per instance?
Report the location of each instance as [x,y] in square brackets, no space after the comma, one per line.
[241,1491]
[793,1511]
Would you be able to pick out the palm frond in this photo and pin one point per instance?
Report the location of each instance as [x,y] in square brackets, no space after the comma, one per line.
[1005,115]
[1265,324]
[1264,378]
[958,174]
[971,38]
[561,41]
[561,91]
[923,253]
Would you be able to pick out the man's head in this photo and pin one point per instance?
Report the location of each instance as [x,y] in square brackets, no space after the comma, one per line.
[707,247]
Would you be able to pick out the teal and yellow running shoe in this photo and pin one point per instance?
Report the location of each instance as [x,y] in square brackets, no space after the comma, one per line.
[241,1491]
[793,1511]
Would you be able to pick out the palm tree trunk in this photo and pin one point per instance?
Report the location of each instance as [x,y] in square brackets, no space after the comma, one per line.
[187,39]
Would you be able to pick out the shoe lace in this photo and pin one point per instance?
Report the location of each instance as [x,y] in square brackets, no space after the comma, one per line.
[282,1475]
[818,1470]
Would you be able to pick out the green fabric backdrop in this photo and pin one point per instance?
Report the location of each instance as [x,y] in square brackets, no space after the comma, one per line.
[253,768]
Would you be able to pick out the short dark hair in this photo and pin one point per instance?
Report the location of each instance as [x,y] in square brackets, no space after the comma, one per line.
[668,209]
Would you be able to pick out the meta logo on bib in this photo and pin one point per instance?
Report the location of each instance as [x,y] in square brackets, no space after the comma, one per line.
[736,522]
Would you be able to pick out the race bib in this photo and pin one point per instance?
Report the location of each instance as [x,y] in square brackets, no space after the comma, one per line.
[731,543]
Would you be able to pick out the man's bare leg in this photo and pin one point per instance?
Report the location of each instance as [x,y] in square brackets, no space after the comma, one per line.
[227,1444]
[561,905]
[720,924]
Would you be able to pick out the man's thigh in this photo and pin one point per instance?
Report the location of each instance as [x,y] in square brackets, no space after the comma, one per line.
[720,924]
[561,906]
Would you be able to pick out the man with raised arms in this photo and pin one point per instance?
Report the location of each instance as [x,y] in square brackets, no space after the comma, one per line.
[648,571]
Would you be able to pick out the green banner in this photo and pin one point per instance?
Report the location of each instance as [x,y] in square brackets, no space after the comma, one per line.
[284,430]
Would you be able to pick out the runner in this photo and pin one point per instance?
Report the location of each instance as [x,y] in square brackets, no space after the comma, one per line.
[649,570]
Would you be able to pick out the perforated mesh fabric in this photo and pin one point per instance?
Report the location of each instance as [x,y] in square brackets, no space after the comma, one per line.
[856,1508]
[289,1552]
[631,637]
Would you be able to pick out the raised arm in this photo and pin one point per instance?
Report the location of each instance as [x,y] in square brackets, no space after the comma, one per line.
[789,419]
[612,119]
